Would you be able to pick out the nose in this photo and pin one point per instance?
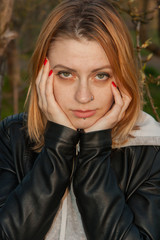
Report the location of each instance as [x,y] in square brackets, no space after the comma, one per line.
[83,94]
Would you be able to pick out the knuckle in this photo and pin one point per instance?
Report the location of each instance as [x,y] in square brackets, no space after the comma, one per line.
[40,104]
[49,111]
[37,85]
[44,107]
[114,121]
[120,104]
[114,117]
[45,71]
[121,116]
[47,94]
[129,99]
[41,87]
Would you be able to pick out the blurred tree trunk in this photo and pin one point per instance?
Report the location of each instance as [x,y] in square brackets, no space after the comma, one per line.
[6,7]
[158,4]
[6,35]
[14,72]
[154,48]
[1,81]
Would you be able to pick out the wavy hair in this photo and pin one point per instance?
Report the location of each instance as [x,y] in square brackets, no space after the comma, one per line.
[93,20]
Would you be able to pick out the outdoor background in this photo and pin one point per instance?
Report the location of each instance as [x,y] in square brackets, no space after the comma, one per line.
[20,24]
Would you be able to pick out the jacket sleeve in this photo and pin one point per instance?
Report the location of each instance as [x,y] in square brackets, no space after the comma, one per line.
[28,209]
[105,212]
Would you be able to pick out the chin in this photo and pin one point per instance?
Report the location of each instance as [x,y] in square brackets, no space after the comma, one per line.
[83,124]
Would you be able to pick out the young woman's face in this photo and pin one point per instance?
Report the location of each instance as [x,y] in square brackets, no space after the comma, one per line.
[81,72]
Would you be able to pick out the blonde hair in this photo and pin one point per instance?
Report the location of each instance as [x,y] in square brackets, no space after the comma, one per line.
[93,20]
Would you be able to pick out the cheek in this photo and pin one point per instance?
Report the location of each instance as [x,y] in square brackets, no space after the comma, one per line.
[105,98]
[62,94]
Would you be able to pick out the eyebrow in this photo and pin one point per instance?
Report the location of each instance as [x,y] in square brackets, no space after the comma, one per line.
[73,70]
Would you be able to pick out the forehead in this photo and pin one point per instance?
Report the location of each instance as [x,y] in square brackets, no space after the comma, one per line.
[77,53]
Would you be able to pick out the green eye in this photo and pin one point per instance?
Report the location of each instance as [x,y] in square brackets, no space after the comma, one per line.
[102,76]
[64,74]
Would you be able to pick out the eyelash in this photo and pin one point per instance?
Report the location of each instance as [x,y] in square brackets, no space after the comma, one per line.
[107,75]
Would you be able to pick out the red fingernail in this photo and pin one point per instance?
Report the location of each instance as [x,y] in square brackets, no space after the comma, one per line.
[50,73]
[45,61]
[114,84]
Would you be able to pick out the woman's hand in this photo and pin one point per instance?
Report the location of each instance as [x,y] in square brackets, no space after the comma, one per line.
[115,114]
[47,102]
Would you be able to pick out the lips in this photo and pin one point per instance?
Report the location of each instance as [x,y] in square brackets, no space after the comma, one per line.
[84,114]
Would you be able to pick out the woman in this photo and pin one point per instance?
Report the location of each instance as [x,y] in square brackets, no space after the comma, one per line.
[84,162]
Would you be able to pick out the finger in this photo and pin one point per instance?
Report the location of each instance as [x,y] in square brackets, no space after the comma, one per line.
[117,107]
[53,107]
[39,76]
[126,100]
[49,86]
[54,112]
[37,87]
[41,72]
[41,84]
[112,115]
[38,80]
[50,99]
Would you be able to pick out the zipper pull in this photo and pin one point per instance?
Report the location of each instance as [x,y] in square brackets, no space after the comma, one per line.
[77,148]
[79,130]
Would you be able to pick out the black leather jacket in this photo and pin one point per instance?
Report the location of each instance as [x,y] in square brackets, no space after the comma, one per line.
[117,191]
